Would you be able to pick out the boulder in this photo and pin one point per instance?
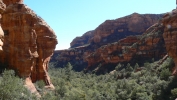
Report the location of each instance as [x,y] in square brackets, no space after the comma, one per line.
[28,42]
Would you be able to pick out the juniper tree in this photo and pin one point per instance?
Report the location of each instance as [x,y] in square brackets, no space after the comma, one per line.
[68,71]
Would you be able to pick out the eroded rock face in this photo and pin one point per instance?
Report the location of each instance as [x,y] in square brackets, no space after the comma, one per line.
[132,49]
[133,24]
[84,39]
[169,22]
[113,30]
[106,36]
[28,42]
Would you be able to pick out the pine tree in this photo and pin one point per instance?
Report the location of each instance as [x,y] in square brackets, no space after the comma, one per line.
[129,68]
[118,67]
[136,67]
[68,71]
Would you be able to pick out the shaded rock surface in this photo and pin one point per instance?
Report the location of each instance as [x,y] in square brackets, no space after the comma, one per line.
[132,49]
[115,38]
[28,42]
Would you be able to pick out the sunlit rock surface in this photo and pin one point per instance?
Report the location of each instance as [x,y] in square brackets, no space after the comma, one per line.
[115,41]
[28,43]
[169,22]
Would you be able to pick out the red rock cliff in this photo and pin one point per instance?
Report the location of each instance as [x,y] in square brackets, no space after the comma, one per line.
[84,39]
[131,24]
[113,30]
[106,36]
[169,22]
[130,49]
[28,42]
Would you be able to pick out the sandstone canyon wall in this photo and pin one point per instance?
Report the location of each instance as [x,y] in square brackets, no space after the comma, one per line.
[134,24]
[28,42]
[113,30]
[132,49]
[107,43]
[169,22]
[83,40]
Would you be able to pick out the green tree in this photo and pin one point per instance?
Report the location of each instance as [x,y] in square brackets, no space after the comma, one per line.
[174,92]
[68,71]
[39,85]
[118,67]
[165,73]
[61,89]
[136,66]
[129,68]
[12,87]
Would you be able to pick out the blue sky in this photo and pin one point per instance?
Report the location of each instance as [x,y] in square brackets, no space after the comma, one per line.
[71,18]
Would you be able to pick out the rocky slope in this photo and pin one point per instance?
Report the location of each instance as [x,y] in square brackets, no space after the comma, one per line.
[108,42]
[28,43]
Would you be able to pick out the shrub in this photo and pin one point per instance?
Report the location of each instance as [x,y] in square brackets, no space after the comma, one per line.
[12,88]
[174,92]
[118,67]
[165,73]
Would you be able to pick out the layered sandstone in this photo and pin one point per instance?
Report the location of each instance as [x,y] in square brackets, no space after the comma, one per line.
[130,49]
[169,22]
[133,24]
[76,56]
[88,51]
[28,43]
[82,40]
[113,30]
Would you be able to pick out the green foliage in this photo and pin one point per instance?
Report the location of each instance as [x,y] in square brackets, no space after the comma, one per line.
[124,84]
[136,66]
[174,92]
[68,69]
[152,82]
[118,67]
[12,88]
[61,89]
[129,68]
[40,84]
[165,73]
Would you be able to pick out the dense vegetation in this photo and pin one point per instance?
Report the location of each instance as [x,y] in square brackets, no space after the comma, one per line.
[12,87]
[149,82]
